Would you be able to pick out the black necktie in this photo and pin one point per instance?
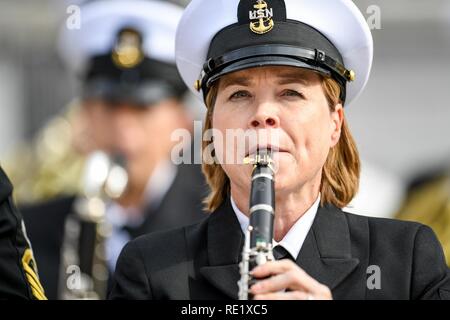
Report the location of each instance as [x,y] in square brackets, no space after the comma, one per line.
[281,253]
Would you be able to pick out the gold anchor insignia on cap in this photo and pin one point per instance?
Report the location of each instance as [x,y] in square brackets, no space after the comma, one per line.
[127,52]
[263,16]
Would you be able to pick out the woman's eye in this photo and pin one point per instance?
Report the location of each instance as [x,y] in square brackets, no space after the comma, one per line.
[240,94]
[292,93]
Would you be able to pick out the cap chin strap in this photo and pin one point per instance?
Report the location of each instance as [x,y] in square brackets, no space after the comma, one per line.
[312,57]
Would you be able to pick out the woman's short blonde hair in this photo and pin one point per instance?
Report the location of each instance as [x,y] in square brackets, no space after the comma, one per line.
[340,174]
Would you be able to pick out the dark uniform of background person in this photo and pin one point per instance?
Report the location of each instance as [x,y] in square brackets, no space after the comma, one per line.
[131,78]
[201,261]
[18,271]
[428,201]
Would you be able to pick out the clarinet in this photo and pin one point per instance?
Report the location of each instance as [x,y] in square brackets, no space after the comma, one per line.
[257,248]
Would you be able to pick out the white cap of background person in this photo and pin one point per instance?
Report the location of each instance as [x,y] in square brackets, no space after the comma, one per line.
[216,37]
[124,51]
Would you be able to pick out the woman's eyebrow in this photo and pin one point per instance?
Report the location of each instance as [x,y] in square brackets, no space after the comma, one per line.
[288,78]
[230,81]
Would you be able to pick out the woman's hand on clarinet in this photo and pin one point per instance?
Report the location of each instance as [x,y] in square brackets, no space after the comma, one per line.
[287,281]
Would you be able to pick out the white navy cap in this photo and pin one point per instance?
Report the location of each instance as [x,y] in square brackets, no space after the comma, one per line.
[125,50]
[216,37]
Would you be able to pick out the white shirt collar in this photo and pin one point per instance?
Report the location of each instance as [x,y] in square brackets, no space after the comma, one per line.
[160,182]
[293,240]
[157,186]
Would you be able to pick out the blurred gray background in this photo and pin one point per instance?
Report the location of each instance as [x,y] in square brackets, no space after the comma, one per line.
[401,122]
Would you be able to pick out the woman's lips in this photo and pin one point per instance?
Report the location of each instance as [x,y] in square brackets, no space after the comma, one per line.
[272,149]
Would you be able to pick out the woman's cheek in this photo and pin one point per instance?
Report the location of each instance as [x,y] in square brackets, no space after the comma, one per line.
[239,174]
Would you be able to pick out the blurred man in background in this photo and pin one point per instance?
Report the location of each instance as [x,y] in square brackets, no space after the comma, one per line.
[129,106]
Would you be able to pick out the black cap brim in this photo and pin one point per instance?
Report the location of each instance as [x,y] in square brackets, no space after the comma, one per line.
[255,62]
[140,94]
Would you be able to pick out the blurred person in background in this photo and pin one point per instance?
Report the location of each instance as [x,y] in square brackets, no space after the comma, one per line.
[18,271]
[130,103]
[427,196]
[428,201]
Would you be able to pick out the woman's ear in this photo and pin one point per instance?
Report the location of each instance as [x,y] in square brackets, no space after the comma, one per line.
[337,119]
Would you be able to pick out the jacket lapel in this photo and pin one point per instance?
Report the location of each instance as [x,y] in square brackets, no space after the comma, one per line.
[326,252]
[225,240]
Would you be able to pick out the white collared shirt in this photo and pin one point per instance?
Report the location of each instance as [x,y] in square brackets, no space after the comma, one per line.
[158,185]
[293,240]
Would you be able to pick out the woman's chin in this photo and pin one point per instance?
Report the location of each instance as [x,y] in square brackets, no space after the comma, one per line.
[286,181]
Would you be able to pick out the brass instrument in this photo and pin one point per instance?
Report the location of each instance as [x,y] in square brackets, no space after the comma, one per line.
[257,248]
[36,168]
[83,272]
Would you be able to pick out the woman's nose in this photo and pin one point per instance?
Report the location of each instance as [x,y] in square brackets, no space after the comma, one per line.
[265,116]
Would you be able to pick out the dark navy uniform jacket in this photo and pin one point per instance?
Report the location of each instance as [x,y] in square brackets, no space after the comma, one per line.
[341,250]
[18,271]
[181,205]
